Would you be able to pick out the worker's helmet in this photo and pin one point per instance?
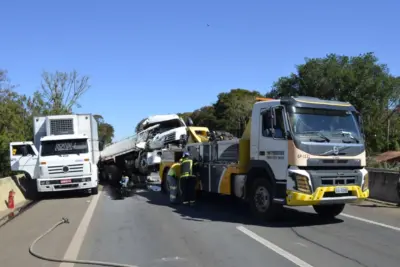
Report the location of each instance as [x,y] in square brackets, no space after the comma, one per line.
[185,155]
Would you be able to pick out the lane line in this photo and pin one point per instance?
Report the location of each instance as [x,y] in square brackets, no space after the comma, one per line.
[367,221]
[287,255]
[370,222]
[76,242]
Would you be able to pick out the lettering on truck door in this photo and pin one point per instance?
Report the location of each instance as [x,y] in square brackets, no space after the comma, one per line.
[273,145]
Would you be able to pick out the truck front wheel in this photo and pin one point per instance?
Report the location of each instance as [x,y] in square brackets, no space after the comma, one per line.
[329,211]
[95,190]
[261,200]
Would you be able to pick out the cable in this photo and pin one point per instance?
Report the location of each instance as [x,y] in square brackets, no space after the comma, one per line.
[65,220]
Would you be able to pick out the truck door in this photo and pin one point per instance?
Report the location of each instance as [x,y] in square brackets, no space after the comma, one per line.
[273,144]
[24,157]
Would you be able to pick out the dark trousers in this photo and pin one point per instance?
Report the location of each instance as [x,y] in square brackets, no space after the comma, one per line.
[188,188]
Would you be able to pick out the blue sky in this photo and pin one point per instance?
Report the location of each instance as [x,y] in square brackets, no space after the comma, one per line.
[159,56]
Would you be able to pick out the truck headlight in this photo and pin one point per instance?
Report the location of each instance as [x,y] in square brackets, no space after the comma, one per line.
[366,181]
[302,184]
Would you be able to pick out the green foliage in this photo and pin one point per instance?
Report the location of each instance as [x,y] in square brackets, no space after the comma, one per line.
[360,80]
[229,113]
[59,94]
[106,131]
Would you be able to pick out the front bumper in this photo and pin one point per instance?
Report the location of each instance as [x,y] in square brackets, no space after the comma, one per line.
[326,196]
[66,184]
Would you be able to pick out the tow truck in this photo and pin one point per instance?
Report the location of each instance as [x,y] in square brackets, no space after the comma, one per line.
[295,151]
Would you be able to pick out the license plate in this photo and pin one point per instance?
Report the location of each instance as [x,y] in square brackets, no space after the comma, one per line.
[66,181]
[341,190]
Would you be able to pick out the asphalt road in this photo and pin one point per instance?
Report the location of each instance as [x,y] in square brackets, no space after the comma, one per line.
[144,230]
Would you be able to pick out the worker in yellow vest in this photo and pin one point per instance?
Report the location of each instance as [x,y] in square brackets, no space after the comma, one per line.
[187,179]
[173,181]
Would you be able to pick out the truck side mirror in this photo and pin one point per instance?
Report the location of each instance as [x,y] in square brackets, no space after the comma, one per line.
[24,151]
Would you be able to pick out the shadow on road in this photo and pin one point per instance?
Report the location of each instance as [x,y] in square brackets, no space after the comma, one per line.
[214,207]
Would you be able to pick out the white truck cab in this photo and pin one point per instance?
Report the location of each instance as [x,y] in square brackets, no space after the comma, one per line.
[170,130]
[64,153]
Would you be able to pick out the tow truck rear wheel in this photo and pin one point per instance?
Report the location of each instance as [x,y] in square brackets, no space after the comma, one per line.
[261,202]
[329,211]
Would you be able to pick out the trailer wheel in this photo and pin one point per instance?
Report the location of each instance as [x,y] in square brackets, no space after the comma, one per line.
[115,174]
[329,211]
[261,200]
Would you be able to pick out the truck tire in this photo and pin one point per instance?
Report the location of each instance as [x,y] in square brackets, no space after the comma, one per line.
[116,174]
[164,183]
[261,200]
[95,190]
[329,211]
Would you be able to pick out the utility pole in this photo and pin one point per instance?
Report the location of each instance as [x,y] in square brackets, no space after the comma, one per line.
[387,134]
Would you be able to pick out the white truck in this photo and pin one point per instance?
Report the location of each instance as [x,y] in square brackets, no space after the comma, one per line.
[63,155]
[140,155]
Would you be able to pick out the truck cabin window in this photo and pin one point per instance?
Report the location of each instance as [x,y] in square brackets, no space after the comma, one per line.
[310,121]
[279,128]
[64,147]
[18,150]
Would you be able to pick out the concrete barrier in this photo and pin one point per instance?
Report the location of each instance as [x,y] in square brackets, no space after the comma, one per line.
[11,183]
[384,185]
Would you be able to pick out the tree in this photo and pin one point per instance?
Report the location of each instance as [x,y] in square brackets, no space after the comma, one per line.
[233,109]
[360,80]
[60,92]
[13,120]
[105,130]
[205,116]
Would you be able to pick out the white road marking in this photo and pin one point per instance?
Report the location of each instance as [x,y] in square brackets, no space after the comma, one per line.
[368,221]
[287,255]
[76,242]
[371,222]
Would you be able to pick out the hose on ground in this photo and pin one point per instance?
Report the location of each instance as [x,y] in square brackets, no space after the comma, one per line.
[87,262]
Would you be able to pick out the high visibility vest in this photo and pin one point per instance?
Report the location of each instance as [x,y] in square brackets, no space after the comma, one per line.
[175,170]
[186,167]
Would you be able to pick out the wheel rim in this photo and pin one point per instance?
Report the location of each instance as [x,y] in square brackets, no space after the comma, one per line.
[261,199]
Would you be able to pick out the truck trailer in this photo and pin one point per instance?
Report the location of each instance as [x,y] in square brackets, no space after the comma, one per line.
[139,156]
[295,151]
[63,155]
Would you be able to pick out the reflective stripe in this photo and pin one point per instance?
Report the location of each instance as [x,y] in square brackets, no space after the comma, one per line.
[186,167]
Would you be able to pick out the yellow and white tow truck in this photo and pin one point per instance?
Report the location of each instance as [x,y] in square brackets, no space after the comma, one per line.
[295,151]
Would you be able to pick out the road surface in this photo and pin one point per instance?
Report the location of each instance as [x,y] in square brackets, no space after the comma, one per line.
[145,231]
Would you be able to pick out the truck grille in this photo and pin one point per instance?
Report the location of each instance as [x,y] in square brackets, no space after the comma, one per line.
[325,177]
[338,180]
[61,126]
[73,168]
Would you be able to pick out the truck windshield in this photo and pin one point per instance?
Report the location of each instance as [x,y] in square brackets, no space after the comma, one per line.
[310,121]
[63,147]
[167,125]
